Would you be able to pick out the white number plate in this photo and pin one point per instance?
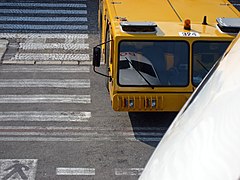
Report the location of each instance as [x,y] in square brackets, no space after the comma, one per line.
[189,34]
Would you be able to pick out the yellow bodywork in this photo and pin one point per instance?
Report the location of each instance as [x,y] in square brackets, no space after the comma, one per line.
[169,16]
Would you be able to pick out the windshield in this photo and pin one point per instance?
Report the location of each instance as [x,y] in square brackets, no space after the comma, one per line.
[205,54]
[161,63]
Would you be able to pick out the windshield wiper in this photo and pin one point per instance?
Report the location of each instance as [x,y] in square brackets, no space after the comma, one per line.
[140,74]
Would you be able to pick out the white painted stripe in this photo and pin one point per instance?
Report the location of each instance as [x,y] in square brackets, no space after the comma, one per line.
[50,134]
[45,46]
[53,128]
[38,116]
[43,27]
[51,139]
[45,19]
[75,171]
[61,139]
[46,83]
[66,5]
[128,171]
[45,131]
[38,35]
[65,133]
[45,98]
[70,41]
[145,139]
[37,68]
[41,11]
[68,139]
[50,57]
[84,134]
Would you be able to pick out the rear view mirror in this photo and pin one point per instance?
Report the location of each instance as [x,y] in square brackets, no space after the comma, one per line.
[96,56]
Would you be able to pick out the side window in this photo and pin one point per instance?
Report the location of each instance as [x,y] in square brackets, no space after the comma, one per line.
[205,54]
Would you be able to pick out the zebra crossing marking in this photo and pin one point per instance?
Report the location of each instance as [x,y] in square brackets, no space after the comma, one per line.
[45,116]
[52,128]
[45,98]
[73,134]
[40,35]
[41,11]
[45,83]
[44,68]
[45,46]
[41,19]
[50,57]
[52,139]
[34,5]
[43,27]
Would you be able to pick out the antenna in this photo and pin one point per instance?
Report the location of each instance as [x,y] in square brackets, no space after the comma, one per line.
[205,20]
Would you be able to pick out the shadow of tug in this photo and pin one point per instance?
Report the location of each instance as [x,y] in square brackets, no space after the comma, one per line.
[149,127]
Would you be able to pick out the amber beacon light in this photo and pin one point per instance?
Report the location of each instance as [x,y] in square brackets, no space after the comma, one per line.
[187,24]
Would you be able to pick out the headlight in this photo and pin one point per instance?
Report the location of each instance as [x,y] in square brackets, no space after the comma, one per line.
[154,103]
[131,103]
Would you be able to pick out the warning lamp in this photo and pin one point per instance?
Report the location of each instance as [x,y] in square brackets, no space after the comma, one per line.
[187,24]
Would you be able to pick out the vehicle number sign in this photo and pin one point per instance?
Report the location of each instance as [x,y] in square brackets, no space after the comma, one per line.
[189,34]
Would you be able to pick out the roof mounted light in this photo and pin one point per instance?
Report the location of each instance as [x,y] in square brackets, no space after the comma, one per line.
[146,27]
[187,24]
[229,25]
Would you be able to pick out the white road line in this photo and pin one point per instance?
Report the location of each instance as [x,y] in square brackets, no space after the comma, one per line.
[40,40]
[53,128]
[50,57]
[37,35]
[45,132]
[51,139]
[43,27]
[43,68]
[80,136]
[145,139]
[37,116]
[49,128]
[45,83]
[41,11]
[75,171]
[128,171]
[67,5]
[69,139]
[46,46]
[45,98]
[52,133]
[45,19]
